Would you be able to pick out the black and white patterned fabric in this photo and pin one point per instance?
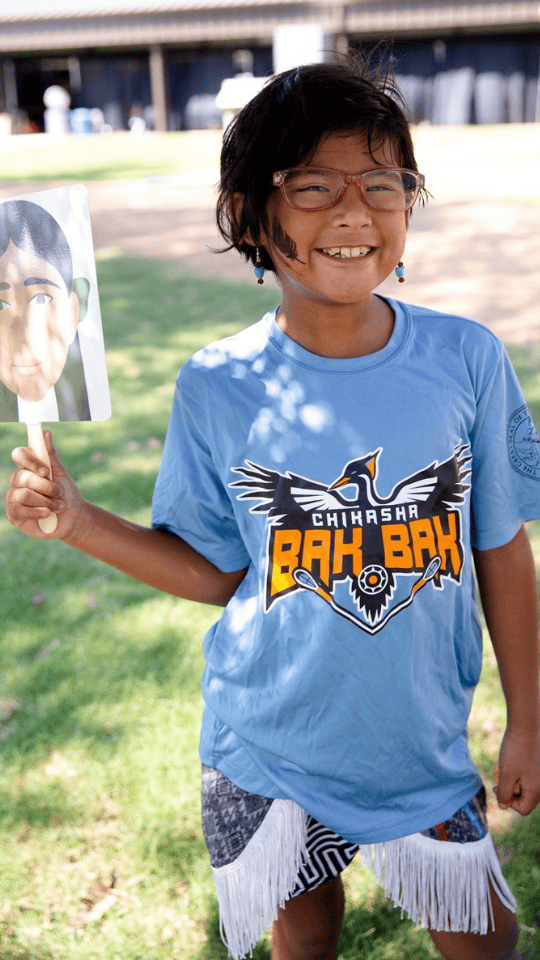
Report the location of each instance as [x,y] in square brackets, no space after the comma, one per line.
[468,824]
[329,855]
[231,817]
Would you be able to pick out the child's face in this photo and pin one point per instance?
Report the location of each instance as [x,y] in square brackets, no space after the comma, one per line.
[38,321]
[316,275]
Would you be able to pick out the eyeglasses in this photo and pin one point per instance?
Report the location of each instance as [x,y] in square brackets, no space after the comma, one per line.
[311,188]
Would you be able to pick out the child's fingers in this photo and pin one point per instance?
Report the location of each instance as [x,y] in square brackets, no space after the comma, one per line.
[28,462]
[18,513]
[32,491]
[26,459]
[31,496]
[23,504]
[29,480]
[509,792]
[525,803]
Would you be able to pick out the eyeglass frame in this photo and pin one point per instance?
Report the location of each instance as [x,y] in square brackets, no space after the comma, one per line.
[278,180]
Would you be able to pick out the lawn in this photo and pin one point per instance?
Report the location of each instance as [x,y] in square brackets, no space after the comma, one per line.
[101,848]
[110,157]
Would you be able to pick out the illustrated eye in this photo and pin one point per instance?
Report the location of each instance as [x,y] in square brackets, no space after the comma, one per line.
[40,299]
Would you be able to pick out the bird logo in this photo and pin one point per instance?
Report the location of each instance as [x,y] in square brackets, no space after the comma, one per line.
[323,536]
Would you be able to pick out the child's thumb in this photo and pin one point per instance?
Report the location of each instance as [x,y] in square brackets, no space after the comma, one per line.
[508,789]
[47,435]
[57,466]
[502,799]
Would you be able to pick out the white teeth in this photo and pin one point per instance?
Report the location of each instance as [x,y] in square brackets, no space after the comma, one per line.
[345,253]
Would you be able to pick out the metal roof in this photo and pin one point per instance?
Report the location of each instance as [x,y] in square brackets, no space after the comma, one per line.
[51,25]
[71,9]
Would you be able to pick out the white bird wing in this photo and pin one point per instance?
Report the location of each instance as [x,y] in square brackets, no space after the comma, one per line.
[311,499]
[416,490]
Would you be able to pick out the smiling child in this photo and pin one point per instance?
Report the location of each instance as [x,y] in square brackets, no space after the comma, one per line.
[333,475]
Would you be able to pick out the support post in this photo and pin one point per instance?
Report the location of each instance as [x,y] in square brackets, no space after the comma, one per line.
[158,86]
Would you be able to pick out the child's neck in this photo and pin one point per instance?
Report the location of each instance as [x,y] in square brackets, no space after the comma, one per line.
[351,330]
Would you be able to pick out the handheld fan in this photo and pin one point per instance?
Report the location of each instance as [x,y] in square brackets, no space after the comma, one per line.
[52,354]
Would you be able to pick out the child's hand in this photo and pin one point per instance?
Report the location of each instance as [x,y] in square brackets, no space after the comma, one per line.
[517,775]
[32,496]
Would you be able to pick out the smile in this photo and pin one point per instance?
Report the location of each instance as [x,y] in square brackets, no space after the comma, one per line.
[346,253]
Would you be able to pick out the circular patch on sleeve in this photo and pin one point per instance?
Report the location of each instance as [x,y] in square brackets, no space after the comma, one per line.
[523,443]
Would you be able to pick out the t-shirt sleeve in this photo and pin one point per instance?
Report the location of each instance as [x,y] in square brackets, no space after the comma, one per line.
[506,458]
[190,498]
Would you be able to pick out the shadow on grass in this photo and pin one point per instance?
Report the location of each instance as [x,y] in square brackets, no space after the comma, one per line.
[520,850]
[174,852]
[214,948]
[17,952]
[46,722]
[375,930]
[49,806]
[94,174]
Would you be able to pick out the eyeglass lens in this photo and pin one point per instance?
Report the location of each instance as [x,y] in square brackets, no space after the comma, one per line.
[383,189]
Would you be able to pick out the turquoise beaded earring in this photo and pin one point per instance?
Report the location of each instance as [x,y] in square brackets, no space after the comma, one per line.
[259,270]
[400,272]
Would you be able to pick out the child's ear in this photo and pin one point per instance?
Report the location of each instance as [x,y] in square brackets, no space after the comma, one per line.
[81,288]
[235,214]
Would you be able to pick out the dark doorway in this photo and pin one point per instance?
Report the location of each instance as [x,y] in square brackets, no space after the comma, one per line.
[34,76]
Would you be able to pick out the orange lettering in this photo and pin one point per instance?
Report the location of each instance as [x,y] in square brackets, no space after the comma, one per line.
[423,540]
[397,550]
[352,548]
[317,550]
[286,548]
[447,543]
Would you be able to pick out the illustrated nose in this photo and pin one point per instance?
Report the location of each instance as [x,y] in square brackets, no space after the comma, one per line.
[18,324]
[19,329]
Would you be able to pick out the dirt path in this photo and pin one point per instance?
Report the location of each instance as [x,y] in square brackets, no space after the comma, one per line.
[474,249]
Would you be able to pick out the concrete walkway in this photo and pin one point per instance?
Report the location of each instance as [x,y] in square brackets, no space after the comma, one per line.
[474,249]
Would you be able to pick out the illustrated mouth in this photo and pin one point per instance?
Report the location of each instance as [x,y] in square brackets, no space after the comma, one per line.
[346,253]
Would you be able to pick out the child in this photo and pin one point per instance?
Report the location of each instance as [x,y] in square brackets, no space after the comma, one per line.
[328,474]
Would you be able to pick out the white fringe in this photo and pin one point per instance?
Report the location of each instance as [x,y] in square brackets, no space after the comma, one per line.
[440,884]
[250,889]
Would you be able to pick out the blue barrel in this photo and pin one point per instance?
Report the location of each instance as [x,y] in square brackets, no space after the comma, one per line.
[80,120]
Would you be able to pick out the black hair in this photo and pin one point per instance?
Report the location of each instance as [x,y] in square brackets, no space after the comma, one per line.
[30,227]
[282,127]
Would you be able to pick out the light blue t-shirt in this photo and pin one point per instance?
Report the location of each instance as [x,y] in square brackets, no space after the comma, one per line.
[341,674]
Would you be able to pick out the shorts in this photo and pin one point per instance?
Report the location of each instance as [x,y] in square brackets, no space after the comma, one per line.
[264,852]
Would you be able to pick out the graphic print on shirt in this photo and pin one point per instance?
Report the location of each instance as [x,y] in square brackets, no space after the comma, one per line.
[318,538]
[523,443]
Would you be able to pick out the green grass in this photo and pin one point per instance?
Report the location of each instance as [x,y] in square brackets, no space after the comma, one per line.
[101,848]
[112,157]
